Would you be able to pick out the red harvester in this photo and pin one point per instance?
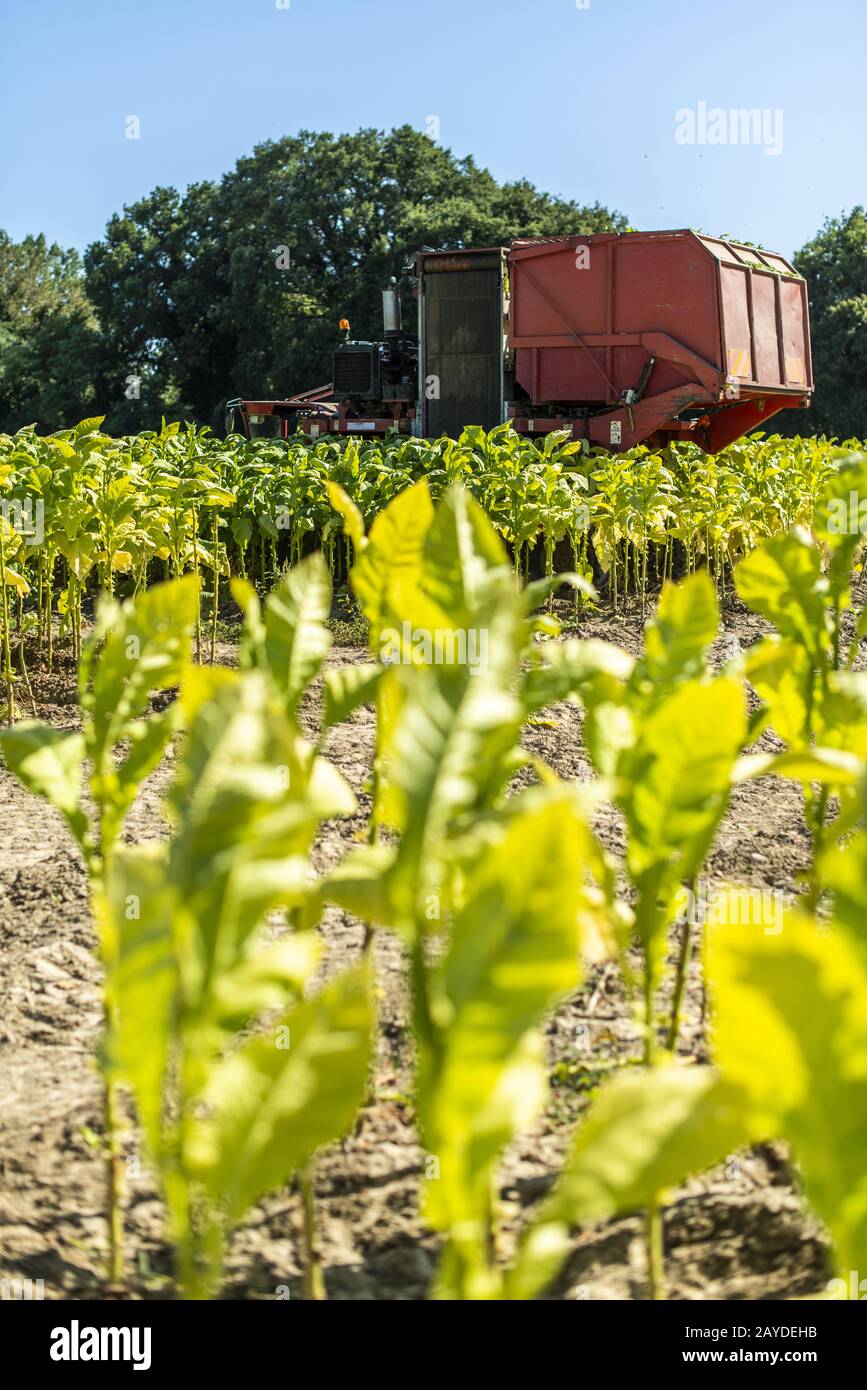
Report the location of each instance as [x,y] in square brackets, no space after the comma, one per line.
[619,338]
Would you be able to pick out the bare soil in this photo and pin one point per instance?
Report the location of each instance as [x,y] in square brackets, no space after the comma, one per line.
[739,1232]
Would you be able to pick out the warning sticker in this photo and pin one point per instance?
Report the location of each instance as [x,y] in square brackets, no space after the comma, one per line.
[616,429]
[795,370]
[739,363]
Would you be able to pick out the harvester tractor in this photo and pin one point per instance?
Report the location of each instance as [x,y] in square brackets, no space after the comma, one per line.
[619,338]
[367,375]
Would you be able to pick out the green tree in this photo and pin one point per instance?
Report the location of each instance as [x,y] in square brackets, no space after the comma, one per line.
[834,264]
[158,280]
[237,288]
[47,335]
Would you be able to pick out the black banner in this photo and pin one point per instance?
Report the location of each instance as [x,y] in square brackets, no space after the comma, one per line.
[83,1340]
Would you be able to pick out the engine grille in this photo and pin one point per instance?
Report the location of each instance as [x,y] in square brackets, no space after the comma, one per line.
[354,371]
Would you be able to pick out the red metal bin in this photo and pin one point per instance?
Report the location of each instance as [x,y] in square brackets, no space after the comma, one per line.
[637,329]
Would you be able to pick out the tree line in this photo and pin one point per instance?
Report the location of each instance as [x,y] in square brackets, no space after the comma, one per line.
[237,287]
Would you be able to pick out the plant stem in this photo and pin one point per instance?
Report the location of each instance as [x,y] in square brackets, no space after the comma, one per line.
[314,1277]
[114,1173]
[49,631]
[216,544]
[655,1252]
[7,650]
[199,594]
[26,677]
[649,983]
[683,958]
[818,810]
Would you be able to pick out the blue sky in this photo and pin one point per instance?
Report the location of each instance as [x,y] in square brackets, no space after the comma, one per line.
[582,101]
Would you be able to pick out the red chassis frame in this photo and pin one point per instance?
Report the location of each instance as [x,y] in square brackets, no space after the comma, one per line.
[314,413]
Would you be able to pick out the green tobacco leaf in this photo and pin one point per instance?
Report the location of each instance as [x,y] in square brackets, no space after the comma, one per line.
[830,766]
[217,497]
[791,1031]
[538,590]
[264,978]
[840,721]
[327,792]
[449,754]
[353,521]
[839,521]
[253,888]
[610,728]
[393,554]
[844,871]
[461,549]
[273,1103]
[360,884]
[514,953]
[678,774]
[16,580]
[781,674]
[137,917]
[647,1131]
[148,740]
[347,688]
[88,426]
[685,625]
[251,651]
[197,965]
[782,580]
[837,509]
[146,647]
[48,762]
[247,801]
[576,669]
[296,637]
[460,1191]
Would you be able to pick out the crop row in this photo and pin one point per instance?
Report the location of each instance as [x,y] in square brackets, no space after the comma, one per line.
[241,1070]
[81,512]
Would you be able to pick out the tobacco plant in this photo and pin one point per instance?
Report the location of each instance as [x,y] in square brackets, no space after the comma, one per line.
[812,695]
[646,1132]
[241,1065]
[238,1078]
[788,1040]
[121,513]
[496,898]
[664,736]
[790,1032]
[91,778]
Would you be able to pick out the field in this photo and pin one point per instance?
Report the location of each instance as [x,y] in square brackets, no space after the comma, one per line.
[484,918]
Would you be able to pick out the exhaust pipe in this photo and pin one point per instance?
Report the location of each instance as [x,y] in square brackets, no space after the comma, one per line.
[391,318]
